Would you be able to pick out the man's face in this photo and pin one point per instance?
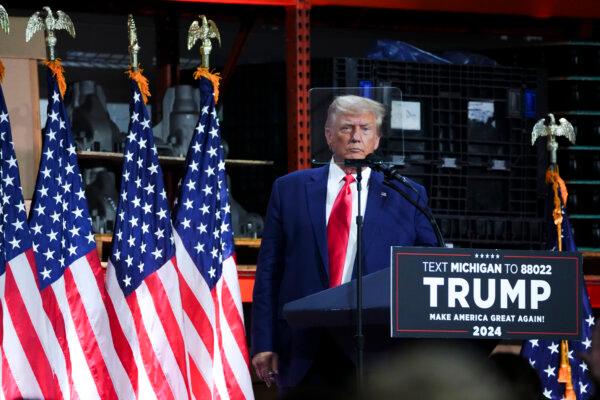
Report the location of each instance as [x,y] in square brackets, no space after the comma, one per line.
[352,136]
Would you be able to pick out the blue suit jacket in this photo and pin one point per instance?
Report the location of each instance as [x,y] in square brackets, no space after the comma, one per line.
[293,259]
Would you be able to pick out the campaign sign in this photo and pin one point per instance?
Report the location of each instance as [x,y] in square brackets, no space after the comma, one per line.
[475,293]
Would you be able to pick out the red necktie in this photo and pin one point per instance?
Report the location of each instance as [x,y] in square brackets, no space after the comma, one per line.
[338,230]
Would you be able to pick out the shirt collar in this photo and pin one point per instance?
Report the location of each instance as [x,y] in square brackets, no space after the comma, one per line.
[337,174]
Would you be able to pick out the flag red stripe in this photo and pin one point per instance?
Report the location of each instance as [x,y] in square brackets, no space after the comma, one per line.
[27,335]
[234,320]
[120,341]
[233,388]
[156,375]
[199,386]
[197,316]
[87,339]
[9,386]
[167,317]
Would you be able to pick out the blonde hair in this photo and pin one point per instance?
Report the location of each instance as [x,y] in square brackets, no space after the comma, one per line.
[351,104]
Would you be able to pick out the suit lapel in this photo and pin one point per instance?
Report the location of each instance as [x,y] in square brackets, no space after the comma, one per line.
[316,196]
[376,202]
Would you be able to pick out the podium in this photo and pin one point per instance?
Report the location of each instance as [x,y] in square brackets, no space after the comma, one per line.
[333,310]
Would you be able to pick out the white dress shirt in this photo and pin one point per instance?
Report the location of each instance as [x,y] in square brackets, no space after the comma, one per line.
[335,182]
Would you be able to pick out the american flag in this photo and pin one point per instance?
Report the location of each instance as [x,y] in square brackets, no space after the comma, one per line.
[26,345]
[544,355]
[142,279]
[214,326]
[69,271]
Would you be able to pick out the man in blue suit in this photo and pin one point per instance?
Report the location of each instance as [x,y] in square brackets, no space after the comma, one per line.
[309,244]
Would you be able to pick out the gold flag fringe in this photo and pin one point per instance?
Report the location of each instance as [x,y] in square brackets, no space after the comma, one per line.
[142,82]
[553,178]
[214,77]
[1,72]
[59,73]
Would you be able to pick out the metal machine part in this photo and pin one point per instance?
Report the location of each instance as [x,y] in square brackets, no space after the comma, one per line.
[180,115]
[102,197]
[92,127]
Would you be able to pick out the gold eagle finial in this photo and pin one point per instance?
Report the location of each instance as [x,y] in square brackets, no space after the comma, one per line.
[548,127]
[134,47]
[205,32]
[45,21]
[4,24]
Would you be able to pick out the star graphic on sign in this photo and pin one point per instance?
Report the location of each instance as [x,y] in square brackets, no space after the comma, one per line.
[590,320]
[553,348]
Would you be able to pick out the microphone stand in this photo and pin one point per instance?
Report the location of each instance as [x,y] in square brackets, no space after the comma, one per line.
[360,339]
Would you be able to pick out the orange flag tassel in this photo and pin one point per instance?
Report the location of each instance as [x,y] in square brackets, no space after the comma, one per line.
[564,373]
[553,178]
[142,82]
[215,79]
[59,73]
[1,72]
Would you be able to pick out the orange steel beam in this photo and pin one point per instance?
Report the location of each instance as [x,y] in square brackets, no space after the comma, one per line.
[297,47]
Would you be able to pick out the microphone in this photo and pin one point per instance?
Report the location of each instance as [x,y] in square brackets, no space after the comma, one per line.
[377,163]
